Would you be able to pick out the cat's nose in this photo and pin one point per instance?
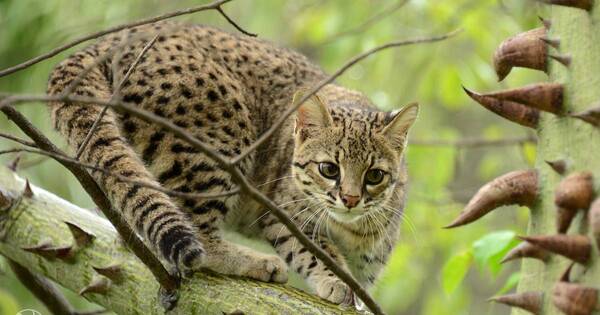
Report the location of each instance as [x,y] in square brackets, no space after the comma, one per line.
[349,200]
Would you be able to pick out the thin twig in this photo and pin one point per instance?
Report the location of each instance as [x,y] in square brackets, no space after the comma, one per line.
[474,142]
[170,192]
[116,95]
[45,291]
[136,245]
[281,120]
[18,140]
[56,51]
[232,22]
[378,17]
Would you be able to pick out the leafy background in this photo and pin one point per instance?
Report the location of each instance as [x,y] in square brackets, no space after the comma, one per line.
[432,270]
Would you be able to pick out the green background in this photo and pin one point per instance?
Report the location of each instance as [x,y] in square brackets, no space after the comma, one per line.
[432,271]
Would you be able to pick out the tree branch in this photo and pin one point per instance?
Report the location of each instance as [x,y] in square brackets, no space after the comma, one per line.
[475,142]
[130,288]
[211,6]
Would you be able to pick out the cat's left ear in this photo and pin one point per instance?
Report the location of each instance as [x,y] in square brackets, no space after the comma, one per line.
[397,129]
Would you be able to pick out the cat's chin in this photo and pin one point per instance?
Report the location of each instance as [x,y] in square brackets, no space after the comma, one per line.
[344,217]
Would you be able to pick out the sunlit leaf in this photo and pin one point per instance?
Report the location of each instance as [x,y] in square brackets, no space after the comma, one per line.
[489,250]
[455,269]
[510,283]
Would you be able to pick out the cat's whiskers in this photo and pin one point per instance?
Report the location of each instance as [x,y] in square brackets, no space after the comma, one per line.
[275,180]
[280,205]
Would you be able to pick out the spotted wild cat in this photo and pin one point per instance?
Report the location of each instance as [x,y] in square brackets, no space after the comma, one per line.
[336,166]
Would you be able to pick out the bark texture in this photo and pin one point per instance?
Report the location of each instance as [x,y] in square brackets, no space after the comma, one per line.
[29,221]
[574,141]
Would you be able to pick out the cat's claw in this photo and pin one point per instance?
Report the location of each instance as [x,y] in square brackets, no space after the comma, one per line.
[168,299]
[335,291]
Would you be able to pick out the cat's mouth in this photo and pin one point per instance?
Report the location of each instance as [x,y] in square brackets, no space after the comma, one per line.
[345,216]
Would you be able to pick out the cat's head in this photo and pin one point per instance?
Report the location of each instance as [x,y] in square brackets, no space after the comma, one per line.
[349,159]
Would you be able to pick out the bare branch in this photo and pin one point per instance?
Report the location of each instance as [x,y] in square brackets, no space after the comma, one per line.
[232,22]
[18,140]
[281,120]
[366,24]
[56,51]
[91,187]
[46,291]
[475,142]
[67,159]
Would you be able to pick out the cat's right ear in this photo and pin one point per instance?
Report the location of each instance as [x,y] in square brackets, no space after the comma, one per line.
[313,113]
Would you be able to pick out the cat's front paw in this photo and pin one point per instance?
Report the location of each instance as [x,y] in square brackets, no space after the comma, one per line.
[335,291]
[269,269]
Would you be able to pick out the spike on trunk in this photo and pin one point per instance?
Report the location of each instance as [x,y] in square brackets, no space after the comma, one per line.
[27,192]
[543,96]
[565,60]
[575,191]
[566,275]
[574,299]
[99,285]
[575,247]
[48,251]
[515,112]
[113,272]
[5,201]
[526,250]
[81,237]
[554,42]
[559,166]
[522,50]
[547,23]
[564,217]
[529,301]
[518,187]
[14,164]
[591,116]
[580,4]
[594,221]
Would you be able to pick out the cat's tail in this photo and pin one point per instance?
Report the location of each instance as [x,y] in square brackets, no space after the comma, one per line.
[151,213]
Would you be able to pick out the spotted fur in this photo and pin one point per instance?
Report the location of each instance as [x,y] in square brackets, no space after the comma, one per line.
[226,90]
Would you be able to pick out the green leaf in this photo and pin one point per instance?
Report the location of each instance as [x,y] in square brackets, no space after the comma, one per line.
[455,269]
[510,283]
[489,250]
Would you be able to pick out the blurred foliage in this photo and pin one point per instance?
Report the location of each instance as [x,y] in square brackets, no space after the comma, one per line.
[431,270]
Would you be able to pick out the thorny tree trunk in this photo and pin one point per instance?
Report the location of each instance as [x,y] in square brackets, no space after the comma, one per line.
[29,221]
[563,138]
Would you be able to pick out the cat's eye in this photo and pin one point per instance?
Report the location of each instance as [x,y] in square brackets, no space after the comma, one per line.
[329,170]
[374,177]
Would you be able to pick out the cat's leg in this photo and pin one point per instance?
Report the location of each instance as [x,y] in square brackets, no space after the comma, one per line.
[325,283]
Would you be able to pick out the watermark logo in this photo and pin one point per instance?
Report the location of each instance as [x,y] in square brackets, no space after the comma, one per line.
[28,311]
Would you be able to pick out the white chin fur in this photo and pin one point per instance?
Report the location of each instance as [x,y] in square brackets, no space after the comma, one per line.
[346,217]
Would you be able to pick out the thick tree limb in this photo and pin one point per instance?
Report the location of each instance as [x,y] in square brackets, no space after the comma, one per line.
[25,222]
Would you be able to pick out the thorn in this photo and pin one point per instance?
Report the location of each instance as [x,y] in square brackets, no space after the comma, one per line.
[594,220]
[99,285]
[559,166]
[554,42]
[529,301]
[544,96]
[574,247]
[81,237]
[14,164]
[591,116]
[113,272]
[518,187]
[574,299]
[566,275]
[547,23]
[522,50]
[515,112]
[575,191]
[580,4]
[565,60]
[27,192]
[5,201]
[564,217]
[46,250]
[525,250]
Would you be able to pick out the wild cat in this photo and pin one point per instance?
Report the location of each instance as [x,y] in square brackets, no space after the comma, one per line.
[336,166]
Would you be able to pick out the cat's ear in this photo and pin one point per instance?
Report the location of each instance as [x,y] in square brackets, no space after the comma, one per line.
[397,129]
[313,113]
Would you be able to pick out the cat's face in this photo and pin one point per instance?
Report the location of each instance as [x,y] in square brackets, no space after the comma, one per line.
[349,160]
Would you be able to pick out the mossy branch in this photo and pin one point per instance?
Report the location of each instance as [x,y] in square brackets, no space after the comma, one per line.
[102,264]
